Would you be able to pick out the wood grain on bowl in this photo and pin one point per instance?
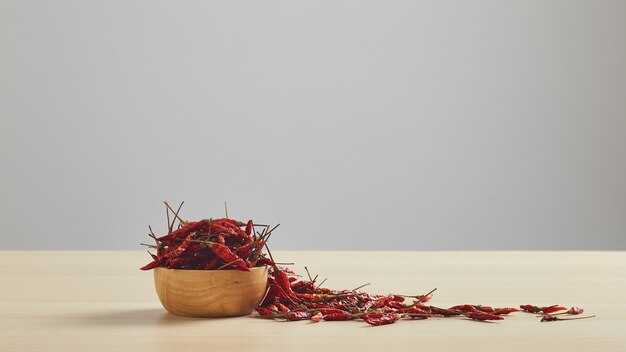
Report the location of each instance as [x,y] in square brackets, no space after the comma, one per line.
[210,293]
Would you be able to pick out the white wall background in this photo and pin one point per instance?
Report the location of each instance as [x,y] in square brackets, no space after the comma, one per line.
[356,124]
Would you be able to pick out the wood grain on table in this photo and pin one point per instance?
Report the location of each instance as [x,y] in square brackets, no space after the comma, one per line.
[100,301]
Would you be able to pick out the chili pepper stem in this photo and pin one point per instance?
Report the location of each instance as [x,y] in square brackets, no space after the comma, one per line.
[577,318]
[270,254]
[167,213]
[171,226]
[418,296]
[286,295]
[367,284]
[318,286]
[225,265]
[426,295]
[308,273]
[226,209]
[175,214]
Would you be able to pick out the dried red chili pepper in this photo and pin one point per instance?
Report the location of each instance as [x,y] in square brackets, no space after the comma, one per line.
[504,311]
[549,318]
[530,308]
[485,309]
[575,311]
[445,312]
[380,318]
[425,298]
[230,221]
[337,316]
[152,265]
[234,229]
[483,316]
[265,261]
[210,265]
[249,228]
[283,282]
[281,307]
[264,312]
[327,311]
[184,231]
[552,309]
[303,287]
[294,316]
[394,304]
[244,251]
[227,256]
[465,308]
[317,317]
[181,247]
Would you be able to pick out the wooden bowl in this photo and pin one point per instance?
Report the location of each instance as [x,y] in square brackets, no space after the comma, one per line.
[210,293]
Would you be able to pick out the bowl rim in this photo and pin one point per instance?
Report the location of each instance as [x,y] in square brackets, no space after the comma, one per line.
[211,270]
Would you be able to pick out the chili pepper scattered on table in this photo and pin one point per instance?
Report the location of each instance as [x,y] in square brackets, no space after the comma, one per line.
[546,310]
[223,243]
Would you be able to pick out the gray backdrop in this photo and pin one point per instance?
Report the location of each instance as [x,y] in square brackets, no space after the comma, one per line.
[356,124]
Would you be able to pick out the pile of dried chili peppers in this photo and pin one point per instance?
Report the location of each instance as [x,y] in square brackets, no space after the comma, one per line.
[209,244]
[216,244]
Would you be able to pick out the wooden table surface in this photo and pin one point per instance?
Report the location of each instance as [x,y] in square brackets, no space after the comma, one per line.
[100,301]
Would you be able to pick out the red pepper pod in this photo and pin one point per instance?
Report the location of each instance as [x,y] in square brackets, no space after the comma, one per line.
[465,308]
[549,318]
[176,252]
[394,304]
[294,316]
[249,228]
[377,319]
[282,280]
[241,234]
[485,309]
[396,298]
[575,311]
[309,297]
[302,286]
[191,227]
[151,265]
[210,265]
[230,221]
[264,312]
[425,298]
[227,256]
[265,261]
[317,317]
[481,316]
[530,308]
[504,311]
[328,311]
[338,316]
[281,307]
[244,251]
[415,310]
[444,312]
[552,309]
